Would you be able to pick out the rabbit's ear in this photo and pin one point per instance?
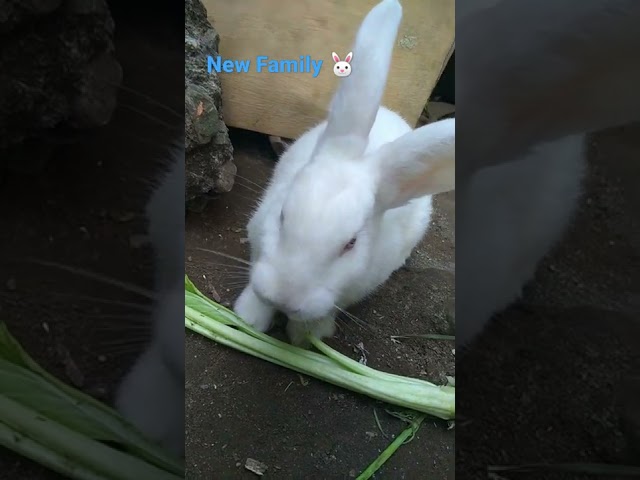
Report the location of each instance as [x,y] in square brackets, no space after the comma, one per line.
[348,57]
[420,163]
[335,57]
[355,104]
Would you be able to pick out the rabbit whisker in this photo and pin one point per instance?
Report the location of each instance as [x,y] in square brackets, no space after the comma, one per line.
[226,265]
[96,276]
[254,201]
[120,327]
[150,100]
[234,283]
[133,321]
[246,186]
[148,116]
[231,274]
[354,319]
[130,340]
[230,257]
[251,182]
[98,300]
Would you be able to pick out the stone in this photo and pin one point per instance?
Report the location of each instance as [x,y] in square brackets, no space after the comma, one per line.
[59,75]
[209,153]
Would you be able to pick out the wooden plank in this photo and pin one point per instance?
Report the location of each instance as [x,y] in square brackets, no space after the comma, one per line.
[287,104]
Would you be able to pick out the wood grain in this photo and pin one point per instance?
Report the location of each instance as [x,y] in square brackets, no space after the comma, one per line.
[287,104]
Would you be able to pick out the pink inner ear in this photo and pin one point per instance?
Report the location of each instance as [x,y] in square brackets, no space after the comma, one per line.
[336,58]
[348,59]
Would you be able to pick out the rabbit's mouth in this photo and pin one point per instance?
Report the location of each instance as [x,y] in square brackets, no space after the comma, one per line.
[292,314]
[298,316]
[301,316]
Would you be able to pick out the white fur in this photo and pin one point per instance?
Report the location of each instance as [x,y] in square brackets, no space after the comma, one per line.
[509,216]
[151,395]
[364,174]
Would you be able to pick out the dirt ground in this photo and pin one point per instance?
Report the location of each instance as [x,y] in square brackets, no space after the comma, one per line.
[239,407]
[84,210]
[542,384]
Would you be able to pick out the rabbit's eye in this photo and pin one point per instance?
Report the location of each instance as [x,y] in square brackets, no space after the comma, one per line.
[350,245]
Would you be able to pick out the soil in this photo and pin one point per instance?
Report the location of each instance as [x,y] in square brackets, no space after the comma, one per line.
[240,407]
[542,384]
[84,210]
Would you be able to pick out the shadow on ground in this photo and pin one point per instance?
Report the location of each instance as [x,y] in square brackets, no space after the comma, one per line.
[239,407]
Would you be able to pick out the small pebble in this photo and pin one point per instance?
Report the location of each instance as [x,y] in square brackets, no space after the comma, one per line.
[214,294]
[255,466]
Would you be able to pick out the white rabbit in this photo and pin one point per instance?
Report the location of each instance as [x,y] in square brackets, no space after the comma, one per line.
[342,68]
[151,396]
[511,214]
[348,201]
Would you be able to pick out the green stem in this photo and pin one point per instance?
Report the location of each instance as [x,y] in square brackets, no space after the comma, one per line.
[358,367]
[79,449]
[205,306]
[437,401]
[391,449]
[31,449]
[98,411]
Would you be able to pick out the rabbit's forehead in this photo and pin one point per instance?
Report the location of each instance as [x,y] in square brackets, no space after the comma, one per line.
[337,206]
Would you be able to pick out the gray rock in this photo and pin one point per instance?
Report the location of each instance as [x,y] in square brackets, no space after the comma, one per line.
[59,73]
[209,153]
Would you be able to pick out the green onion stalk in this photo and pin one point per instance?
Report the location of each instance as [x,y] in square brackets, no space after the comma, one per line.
[214,321]
[67,431]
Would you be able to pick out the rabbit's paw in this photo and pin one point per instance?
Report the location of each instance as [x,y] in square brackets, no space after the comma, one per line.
[254,311]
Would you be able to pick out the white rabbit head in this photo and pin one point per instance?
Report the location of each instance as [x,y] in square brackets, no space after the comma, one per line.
[342,68]
[318,228]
